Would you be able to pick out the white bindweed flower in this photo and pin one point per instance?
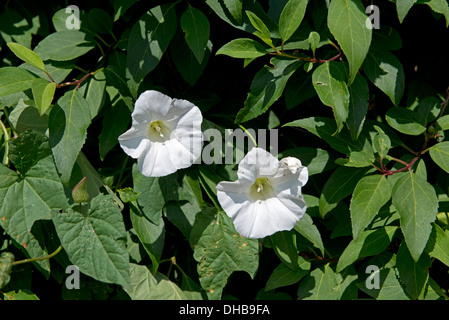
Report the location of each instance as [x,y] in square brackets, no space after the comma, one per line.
[165,134]
[267,197]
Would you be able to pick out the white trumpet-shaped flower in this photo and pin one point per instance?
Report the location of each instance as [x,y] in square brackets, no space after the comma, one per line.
[165,134]
[267,197]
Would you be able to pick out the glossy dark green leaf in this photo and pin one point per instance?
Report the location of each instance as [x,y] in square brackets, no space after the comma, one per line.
[64,45]
[412,274]
[346,20]
[14,80]
[329,81]
[291,17]
[30,194]
[266,87]
[196,28]
[149,38]
[68,123]
[369,243]
[370,194]
[243,48]
[385,70]
[96,241]
[404,120]
[339,185]
[417,204]
[440,154]
[220,251]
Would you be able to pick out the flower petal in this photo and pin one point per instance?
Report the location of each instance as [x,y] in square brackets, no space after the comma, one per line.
[257,162]
[182,156]
[295,203]
[264,218]
[150,106]
[156,162]
[134,142]
[233,196]
[189,119]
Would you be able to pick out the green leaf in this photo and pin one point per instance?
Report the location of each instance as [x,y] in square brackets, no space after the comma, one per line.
[329,81]
[404,120]
[243,48]
[386,72]
[117,80]
[155,192]
[94,184]
[235,9]
[262,30]
[412,274]
[440,154]
[346,21]
[417,204]
[68,123]
[79,192]
[64,45]
[197,29]
[358,106]
[370,194]
[24,117]
[121,6]
[30,194]
[284,245]
[443,122]
[308,230]
[27,55]
[145,286]
[266,87]
[440,249]
[115,122]
[369,243]
[93,90]
[100,21]
[291,17]
[320,284]
[220,251]
[58,70]
[231,11]
[314,40]
[43,92]
[316,160]
[403,8]
[21,295]
[381,142]
[284,276]
[14,27]
[390,287]
[325,129]
[149,38]
[185,60]
[339,185]
[14,80]
[440,6]
[96,241]
[150,235]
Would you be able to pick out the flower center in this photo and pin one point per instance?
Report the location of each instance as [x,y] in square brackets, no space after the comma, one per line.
[262,189]
[158,131]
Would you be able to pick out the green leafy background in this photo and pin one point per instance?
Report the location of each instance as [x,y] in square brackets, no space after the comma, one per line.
[364,109]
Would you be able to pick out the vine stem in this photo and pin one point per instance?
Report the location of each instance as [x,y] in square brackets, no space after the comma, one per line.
[6,142]
[78,82]
[249,135]
[38,259]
